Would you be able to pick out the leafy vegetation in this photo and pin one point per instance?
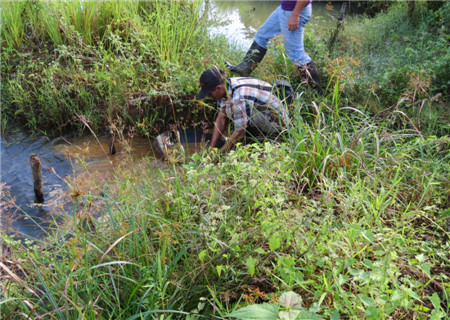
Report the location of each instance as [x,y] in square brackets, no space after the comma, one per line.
[345,217]
[290,304]
[101,61]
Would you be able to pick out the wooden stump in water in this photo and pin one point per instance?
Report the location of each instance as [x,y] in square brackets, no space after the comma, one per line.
[37,178]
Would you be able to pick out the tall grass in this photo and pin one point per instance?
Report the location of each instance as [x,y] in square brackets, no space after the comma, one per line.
[103,56]
[350,211]
[69,22]
[12,24]
[175,29]
[358,236]
[393,46]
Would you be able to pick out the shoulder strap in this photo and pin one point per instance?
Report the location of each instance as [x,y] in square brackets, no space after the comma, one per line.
[256,86]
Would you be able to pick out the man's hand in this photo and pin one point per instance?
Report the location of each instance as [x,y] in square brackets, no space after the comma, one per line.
[293,23]
[219,129]
[294,19]
[235,137]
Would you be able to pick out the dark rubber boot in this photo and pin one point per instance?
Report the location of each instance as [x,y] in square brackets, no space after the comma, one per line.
[253,57]
[311,75]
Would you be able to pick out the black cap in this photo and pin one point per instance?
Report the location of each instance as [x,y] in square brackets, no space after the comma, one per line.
[209,80]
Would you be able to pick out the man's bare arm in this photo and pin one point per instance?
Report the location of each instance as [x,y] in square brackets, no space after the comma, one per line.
[219,129]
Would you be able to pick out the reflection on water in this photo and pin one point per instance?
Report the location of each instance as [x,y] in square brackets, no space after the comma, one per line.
[60,157]
[239,20]
[86,156]
[98,159]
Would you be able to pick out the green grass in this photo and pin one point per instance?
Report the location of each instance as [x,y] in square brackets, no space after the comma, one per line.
[12,24]
[349,210]
[82,57]
[98,59]
[359,236]
[362,241]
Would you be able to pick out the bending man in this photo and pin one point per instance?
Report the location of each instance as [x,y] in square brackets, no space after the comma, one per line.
[255,111]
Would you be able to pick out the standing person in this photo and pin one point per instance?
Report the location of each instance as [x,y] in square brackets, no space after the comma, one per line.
[248,102]
[289,19]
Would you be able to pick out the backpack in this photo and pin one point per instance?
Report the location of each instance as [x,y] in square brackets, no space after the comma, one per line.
[281,88]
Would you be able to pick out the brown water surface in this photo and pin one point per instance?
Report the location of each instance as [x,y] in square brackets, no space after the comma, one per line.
[95,150]
[64,160]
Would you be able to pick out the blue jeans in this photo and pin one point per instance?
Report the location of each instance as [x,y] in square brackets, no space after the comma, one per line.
[277,23]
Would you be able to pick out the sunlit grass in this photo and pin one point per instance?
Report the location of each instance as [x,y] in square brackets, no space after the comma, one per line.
[12,24]
[350,210]
[104,55]
[355,236]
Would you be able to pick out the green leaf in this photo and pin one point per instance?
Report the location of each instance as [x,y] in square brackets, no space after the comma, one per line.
[219,269]
[369,236]
[289,315]
[367,301]
[202,255]
[260,250]
[250,263]
[335,315]
[421,308]
[426,268]
[373,313]
[412,294]
[436,301]
[291,300]
[368,263]
[275,241]
[307,315]
[421,257]
[265,311]
[355,227]
[445,214]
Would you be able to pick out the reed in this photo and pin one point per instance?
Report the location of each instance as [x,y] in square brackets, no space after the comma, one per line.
[12,24]
[175,32]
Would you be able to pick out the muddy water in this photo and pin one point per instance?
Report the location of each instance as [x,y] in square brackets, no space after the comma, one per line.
[63,159]
[18,211]
[60,157]
[95,151]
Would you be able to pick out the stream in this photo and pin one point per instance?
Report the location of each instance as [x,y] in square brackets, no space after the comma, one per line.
[237,20]
[60,157]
